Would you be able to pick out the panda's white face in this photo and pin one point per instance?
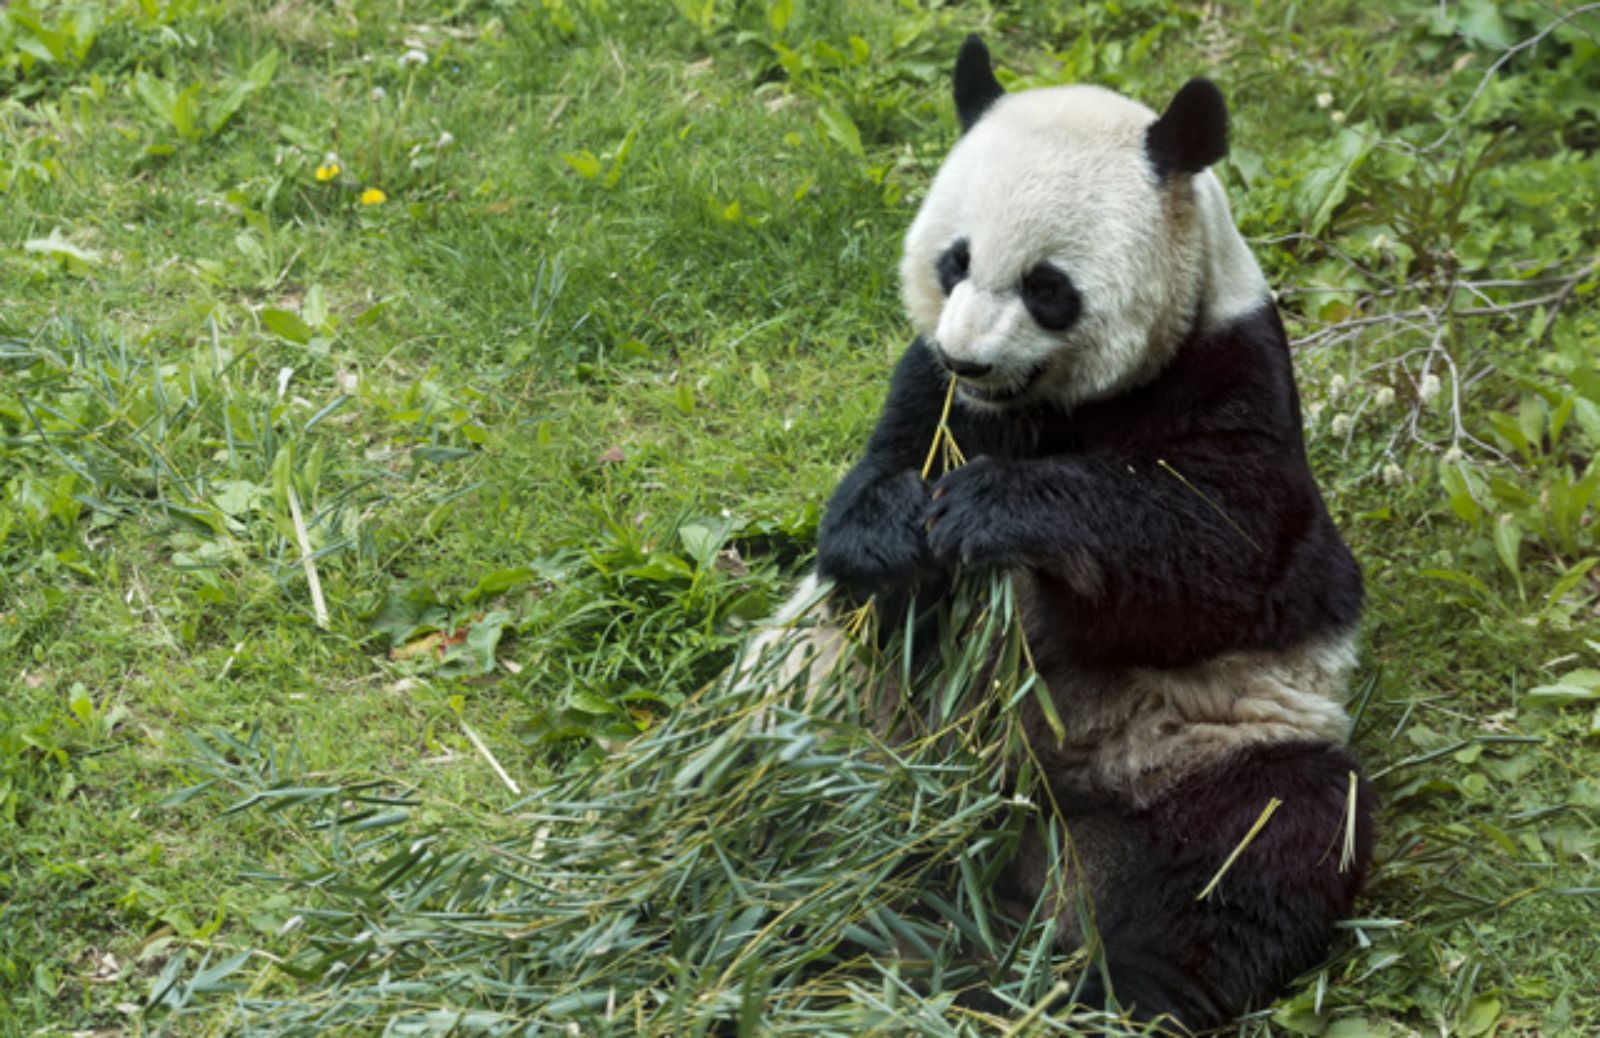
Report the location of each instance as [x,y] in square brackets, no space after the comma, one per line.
[1050,264]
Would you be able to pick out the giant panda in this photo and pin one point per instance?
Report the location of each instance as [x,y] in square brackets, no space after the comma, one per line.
[1124,395]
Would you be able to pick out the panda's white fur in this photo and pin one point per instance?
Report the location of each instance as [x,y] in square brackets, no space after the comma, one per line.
[1059,174]
[1136,732]
[1132,732]
[1071,177]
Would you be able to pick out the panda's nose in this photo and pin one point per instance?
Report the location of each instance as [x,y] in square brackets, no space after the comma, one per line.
[964,368]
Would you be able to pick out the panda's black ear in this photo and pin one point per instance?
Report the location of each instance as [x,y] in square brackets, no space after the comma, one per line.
[976,87]
[1192,133]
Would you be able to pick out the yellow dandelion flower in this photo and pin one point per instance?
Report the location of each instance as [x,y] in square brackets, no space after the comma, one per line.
[372,196]
[327,172]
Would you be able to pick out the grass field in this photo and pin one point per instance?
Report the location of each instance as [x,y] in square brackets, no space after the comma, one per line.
[396,391]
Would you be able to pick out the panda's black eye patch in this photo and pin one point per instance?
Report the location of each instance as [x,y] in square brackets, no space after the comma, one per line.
[953,264]
[1050,297]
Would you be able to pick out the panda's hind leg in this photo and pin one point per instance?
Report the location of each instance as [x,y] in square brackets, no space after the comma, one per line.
[1203,961]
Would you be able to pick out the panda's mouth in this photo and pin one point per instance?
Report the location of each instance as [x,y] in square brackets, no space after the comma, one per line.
[999,395]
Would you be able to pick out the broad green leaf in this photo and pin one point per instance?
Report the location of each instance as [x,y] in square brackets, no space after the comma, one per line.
[1508,545]
[589,703]
[1568,581]
[778,14]
[81,705]
[614,173]
[702,538]
[315,309]
[683,397]
[185,112]
[1531,417]
[1458,486]
[1512,769]
[220,111]
[1587,413]
[1559,416]
[1482,22]
[1511,430]
[156,95]
[235,497]
[585,162]
[499,582]
[1325,186]
[661,568]
[1575,839]
[403,616]
[287,325]
[55,245]
[1301,1020]
[476,655]
[262,71]
[1580,686]
[841,129]
[1457,577]
[1480,1016]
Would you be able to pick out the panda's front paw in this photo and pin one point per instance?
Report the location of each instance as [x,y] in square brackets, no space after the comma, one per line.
[969,520]
[874,541]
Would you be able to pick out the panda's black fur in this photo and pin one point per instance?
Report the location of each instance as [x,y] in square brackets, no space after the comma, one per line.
[1188,600]
[1193,584]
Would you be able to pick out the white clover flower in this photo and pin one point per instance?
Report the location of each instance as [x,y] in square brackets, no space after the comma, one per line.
[379,94]
[1337,117]
[1316,409]
[1430,388]
[1324,100]
[446,138]
[1393,474]
[1384,396]
[1336,385]
[1453,455]
[1341,424]
[412,57]
[1381,243]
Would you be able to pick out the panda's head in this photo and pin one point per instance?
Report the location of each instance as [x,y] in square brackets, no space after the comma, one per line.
[1072,240]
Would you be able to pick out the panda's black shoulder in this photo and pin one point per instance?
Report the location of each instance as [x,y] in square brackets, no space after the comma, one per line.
[1235,377]
[1227,406]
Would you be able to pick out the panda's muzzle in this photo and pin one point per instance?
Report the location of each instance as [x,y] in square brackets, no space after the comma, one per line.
[963,368]
[998,393]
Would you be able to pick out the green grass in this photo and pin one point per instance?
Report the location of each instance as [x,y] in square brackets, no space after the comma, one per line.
[574,393]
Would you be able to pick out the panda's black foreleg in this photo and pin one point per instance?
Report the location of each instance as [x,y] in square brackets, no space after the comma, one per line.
[1202,961]
[872,538]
